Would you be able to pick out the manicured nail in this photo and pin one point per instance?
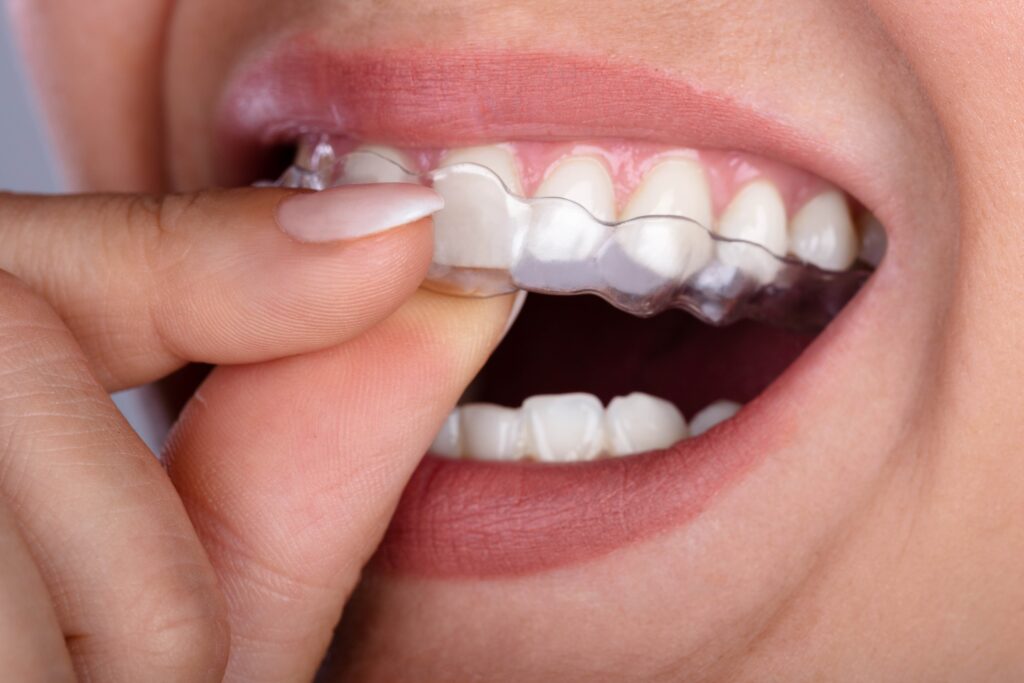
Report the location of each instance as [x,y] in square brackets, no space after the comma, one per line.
[352,211]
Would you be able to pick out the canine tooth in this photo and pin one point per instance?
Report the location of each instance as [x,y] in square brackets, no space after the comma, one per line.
[372,168]
[756,214]
[717,412]
[491,432]
[448,439]
[641,422]
[497,159]
[872,239]
[584,180]
[822,232]
[673,187]
[564,427]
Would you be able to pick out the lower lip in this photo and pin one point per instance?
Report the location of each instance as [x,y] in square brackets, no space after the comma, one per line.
[466,519]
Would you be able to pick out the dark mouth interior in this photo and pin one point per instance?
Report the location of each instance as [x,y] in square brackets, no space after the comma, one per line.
[581,343]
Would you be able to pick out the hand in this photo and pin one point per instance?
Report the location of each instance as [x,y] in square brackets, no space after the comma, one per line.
[284,468]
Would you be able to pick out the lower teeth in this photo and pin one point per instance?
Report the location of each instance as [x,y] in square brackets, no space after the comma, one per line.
[571,428]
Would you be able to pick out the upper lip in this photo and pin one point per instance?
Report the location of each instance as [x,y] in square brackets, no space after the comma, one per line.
[432,99]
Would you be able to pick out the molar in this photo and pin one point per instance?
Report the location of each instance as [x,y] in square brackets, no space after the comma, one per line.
[756,214]
[822,232]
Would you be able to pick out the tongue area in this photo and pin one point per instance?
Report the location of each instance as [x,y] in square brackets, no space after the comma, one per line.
[580,343]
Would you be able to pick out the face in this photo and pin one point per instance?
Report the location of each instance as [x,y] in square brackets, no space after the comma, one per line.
[864,499]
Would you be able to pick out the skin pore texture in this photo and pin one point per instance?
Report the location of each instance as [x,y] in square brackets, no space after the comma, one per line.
[882,540]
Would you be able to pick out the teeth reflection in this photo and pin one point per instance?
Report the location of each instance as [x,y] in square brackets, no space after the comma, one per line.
[756,214]
[822,232]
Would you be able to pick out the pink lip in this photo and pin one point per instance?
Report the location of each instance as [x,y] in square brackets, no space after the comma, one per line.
[470,519]
[428,99]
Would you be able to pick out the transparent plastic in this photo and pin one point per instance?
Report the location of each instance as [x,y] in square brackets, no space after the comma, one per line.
[490,241]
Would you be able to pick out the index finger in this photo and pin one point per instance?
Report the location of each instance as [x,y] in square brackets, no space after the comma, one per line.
[147,284]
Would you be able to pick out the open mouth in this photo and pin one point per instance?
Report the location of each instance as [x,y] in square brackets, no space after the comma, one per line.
[591,426]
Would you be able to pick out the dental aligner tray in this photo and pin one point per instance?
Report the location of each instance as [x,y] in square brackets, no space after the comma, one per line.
[553,245]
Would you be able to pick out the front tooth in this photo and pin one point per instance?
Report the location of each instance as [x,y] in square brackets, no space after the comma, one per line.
[476,228]
[756,214]
[640,422]
[565,233]
[565,427]
[381,165]
[822,232]
[674,187]
[584,180]
[448,439]
[497,159]
[717,412]
[670,249]
[491,432]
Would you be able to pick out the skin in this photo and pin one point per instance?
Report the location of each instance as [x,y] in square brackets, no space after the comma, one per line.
[883,544]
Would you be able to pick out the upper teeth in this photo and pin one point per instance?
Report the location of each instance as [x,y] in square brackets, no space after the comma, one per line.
[475,231]
[569,428]
[756,214]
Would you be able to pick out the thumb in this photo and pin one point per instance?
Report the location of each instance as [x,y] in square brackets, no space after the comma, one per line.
[291,470]
[147,284]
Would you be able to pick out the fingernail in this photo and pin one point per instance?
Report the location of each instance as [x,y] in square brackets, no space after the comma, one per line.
[352,211]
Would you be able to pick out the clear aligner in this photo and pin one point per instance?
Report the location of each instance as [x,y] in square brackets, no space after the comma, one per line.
[490,241]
